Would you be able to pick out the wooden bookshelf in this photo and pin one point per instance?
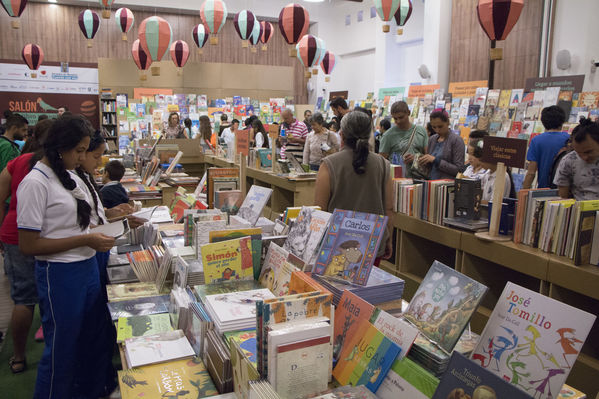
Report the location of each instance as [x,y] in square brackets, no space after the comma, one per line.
[494,264]
[108,115]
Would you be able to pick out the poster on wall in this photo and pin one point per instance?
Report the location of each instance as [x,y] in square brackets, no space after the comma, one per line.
[49,88]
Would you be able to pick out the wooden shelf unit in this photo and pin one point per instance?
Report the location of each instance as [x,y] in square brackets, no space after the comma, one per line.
[494,264]
[108,114]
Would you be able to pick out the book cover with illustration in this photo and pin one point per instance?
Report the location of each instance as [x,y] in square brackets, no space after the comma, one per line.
[396,329]
[466,379]
[306,234]
[589,99]
[351,310]
[254,233]
[182,379]
[532,341]
[367,358]
[157,348]
[139,306]
[254,203]
[275,259]
[407,379]
[302,282]
[202,291]
[121,292]
[443,304]
[228,201]
[246,339]
[243,372]
[350,245]
[228,260]
[137,326]
[213,173]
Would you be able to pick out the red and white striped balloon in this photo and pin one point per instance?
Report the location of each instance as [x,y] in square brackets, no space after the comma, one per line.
[179,53]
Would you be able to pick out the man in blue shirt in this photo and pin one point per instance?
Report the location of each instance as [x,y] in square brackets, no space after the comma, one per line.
[544,148]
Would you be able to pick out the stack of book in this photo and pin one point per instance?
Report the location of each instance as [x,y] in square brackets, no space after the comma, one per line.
[218,361]
[235,310]
[121,292]
[142,192]
[199,326]
[145,263]
[157,348]
[430,200]
[141,306]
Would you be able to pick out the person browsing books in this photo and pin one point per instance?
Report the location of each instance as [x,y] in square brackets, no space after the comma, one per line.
[544,147]
[53,217]
[228,134]
[577,175]
[404,142]
[295,133]
[320,143]
[445,149]
[487,180]
[339,107]
[356,178]
[174,130]
[260,136]
[475,168]
[113,193]
[20,268]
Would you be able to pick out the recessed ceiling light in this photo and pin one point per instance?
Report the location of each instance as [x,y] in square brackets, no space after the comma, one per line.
[51,1]
[314,1]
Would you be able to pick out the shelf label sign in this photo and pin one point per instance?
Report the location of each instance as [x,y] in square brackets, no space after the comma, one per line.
[512,152]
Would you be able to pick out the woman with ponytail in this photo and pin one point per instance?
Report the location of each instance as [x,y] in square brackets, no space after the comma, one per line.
[53,217]
[356,178]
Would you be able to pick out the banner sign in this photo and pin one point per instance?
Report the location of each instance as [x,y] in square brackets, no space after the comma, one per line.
[512,152]
[571,83]
[466,89]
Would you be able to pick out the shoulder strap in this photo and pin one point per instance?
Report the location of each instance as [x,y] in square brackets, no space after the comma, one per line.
[410,141]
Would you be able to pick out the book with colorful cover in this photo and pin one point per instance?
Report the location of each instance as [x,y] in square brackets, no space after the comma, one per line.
[274,260]
[139,306]
[255,233]
[584,235]
[306,234]
[228,260]
[137,326]
[216,173]
[532,341]
[265,155]
[183,379]
[349,313]
[302,282]
[443,304]
[567,392]
[254,203]
[246,339]
[465,378]
[407,379]
[243,372]
[157,348]
[589,99]
[396,329]
[202,291]
[122,292]
[350,245]
[228,201]
[367,358]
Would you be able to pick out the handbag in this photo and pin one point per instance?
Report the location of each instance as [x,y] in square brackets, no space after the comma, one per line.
[416,169]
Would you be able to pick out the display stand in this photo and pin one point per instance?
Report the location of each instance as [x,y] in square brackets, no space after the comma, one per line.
[242,174]
[493,233]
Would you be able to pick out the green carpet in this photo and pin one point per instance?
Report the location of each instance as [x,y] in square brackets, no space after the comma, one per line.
[21,386]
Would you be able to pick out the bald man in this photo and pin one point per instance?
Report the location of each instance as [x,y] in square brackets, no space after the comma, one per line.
[296,133]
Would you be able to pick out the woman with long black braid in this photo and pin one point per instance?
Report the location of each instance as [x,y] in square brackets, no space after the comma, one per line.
[53,217]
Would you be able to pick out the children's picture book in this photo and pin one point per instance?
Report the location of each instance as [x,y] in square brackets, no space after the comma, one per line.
[256,236]
[181,272]
[139,306]
[532,341]
[236,305]
[348,314]
[350,245]
[465,378]
[137,326]
[275,259]
[228,201]
[183,379]
[396,329]
[228,260]
[243,372]
[162,347]
[443,304]
[246,339]
[202,291]
[254,203]
[306,234]
[367,358]
[121,292]
[516,97]
[589,99]
[218,173]
[407,379]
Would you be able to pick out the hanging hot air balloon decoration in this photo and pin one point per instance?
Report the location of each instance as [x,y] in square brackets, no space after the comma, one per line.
[294,21]
[322,49]
[124,20]
[89,23]
[200,37]
[267,32]
[403,13]
[33,56]
[328,64]
[255,36]
[106,4]
[244,25]
[14,9]
[309,52]
[179,54]
[386,9]
[214,16]
[497,18]
[141,58]
[155,36]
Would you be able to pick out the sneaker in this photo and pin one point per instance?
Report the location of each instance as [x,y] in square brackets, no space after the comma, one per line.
[39,335]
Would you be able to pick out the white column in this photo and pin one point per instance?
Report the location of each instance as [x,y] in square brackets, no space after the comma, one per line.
[437,40]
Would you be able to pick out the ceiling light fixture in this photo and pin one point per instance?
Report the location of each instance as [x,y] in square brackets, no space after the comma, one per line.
[51,1]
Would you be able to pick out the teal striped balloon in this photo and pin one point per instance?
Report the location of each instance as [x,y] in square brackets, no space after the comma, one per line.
[155,36]
[89,23]
[386,9]
[214,15]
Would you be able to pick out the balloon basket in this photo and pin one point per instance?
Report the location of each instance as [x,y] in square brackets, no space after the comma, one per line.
[15,24]
[386,28]
[496,54]
[33,75]
[264,47]
[179,71]
[213,40]
[106,14]
[327,78]
[292,52]
[200,51]
[89,43]
[307,75]
[155,71]
[399,31]
[124,37]
[244,44]
[314,71]
[143,77]
[254,50]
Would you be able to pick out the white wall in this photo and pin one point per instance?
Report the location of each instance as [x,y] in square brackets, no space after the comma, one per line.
[576,29]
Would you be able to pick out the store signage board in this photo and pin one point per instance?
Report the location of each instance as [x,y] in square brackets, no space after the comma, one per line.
[466,89]
[242,142]
[139,92]
[343,94]
[572,83]
[512,152]
[419,91]
[391,92]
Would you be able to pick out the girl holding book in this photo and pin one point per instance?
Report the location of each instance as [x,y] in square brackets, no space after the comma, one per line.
[445,149]
[53,217]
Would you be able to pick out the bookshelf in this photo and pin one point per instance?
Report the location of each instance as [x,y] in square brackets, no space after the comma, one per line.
[108,115]
[419,242]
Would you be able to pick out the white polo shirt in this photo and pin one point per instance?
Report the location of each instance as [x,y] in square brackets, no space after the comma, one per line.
[46,206]
[97,212]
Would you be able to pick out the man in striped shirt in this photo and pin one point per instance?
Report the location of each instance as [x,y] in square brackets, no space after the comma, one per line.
[296,133]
